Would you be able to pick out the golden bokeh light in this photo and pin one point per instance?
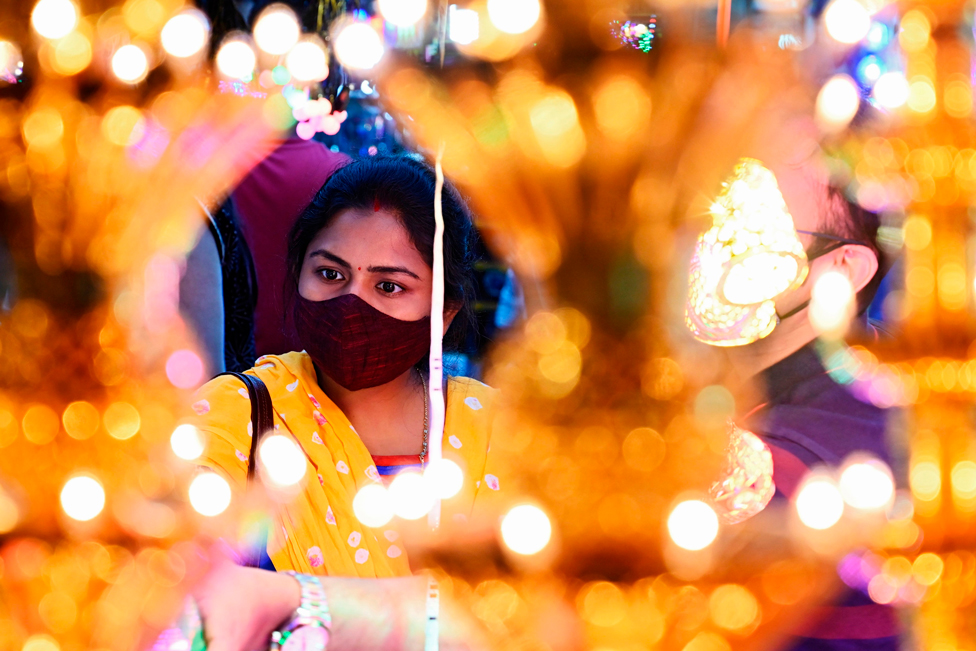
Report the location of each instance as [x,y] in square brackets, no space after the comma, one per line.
[622,107]
[40,424]
[122,420]
[526,529]
[54,19]
[733,607]
[72,54]
[82,498]
[123,125]
[81,420]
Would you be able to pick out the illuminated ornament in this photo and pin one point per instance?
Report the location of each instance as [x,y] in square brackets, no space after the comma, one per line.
[749,256]
[307,61]
[847,21]
[54,19]
[130,64]
[463,25]
[373,506]
[185,34]
[82,498]
[236,59]
[639,36]
[282,460]
[693,525]
[402,13]
[514,16]
[358,46]
[526,529]
[748,484]
[316,115]
[209,494]
[277,30]
[11,62]
[819,503]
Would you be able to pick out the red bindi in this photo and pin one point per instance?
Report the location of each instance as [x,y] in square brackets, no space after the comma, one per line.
[359,268]
[376,204]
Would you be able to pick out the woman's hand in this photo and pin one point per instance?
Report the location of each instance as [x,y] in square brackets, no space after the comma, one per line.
[242,606]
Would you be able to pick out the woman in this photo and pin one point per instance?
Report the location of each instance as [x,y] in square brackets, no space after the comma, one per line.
[355,400]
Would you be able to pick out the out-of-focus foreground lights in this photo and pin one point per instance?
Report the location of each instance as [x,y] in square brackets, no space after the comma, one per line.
[282,460]
[891,90]
[444,477]
[72,54]
[927,568]
[236,59]
[925,479]
[82,498]
[185,34]
[54,18]
[964,480]
[514,16]
[373,505]
[526,529]
[41,642]
[837,103]
[123,125]
[831,303]
[411,496]
[277,30]
[693,525]
[463,25]
[358,46]
[819,503]
[11,62]
[130,64]
[9,513]
[209,494]
[921,94]
[847,21]
[402,13]
[186,442]
[867,485]
[308,61]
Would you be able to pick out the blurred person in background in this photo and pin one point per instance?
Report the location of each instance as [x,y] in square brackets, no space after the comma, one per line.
[806,417]
[355,400]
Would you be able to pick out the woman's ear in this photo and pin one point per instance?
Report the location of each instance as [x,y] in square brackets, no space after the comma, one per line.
[860,264]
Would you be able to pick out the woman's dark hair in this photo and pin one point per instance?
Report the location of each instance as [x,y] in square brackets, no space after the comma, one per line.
[404,187]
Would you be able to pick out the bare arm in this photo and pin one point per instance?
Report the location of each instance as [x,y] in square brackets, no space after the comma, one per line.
[202,301]
[241,607]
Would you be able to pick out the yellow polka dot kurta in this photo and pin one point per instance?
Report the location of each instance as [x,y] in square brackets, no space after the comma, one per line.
[317,532]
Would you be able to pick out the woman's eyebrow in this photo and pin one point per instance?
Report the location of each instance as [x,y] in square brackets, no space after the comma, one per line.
[322,253]
[393,270]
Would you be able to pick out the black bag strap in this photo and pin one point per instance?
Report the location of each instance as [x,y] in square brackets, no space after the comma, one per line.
[262,414]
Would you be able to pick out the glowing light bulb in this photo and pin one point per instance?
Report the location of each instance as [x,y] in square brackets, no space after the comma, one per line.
[891,90]
[463,25]
[82,498]
[514,16]
[837,103]
[373,505]
[358,46]
[130,64]
[444,477]
[209,494]
[9,513]
[186,33]
[411,496]
[282,459]
[867,485]
[526,529]
[847,21]
[236,59]
[308,61]
[693,525]
[819,503]
[402,13]
[54,19]
[186,442]
[831,303]
[277,30]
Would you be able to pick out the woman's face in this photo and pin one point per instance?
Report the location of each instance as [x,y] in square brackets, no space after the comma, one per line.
[368,254]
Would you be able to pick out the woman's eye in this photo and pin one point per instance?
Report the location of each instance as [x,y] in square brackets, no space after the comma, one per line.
[331,274]
[388,287]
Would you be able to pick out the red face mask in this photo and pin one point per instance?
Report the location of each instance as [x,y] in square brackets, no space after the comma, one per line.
[357,345]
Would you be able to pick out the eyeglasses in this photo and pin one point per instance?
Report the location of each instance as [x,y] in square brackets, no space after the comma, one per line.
[836,242]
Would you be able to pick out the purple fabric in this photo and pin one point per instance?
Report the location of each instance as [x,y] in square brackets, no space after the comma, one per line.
[810,420]
[267,202]
[357,345]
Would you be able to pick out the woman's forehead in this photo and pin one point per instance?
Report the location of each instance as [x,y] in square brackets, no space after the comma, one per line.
[369,235]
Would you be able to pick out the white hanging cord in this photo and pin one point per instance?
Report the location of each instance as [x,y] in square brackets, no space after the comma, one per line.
[437,408]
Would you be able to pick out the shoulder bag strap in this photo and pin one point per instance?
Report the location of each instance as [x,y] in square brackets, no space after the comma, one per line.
[262,415]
